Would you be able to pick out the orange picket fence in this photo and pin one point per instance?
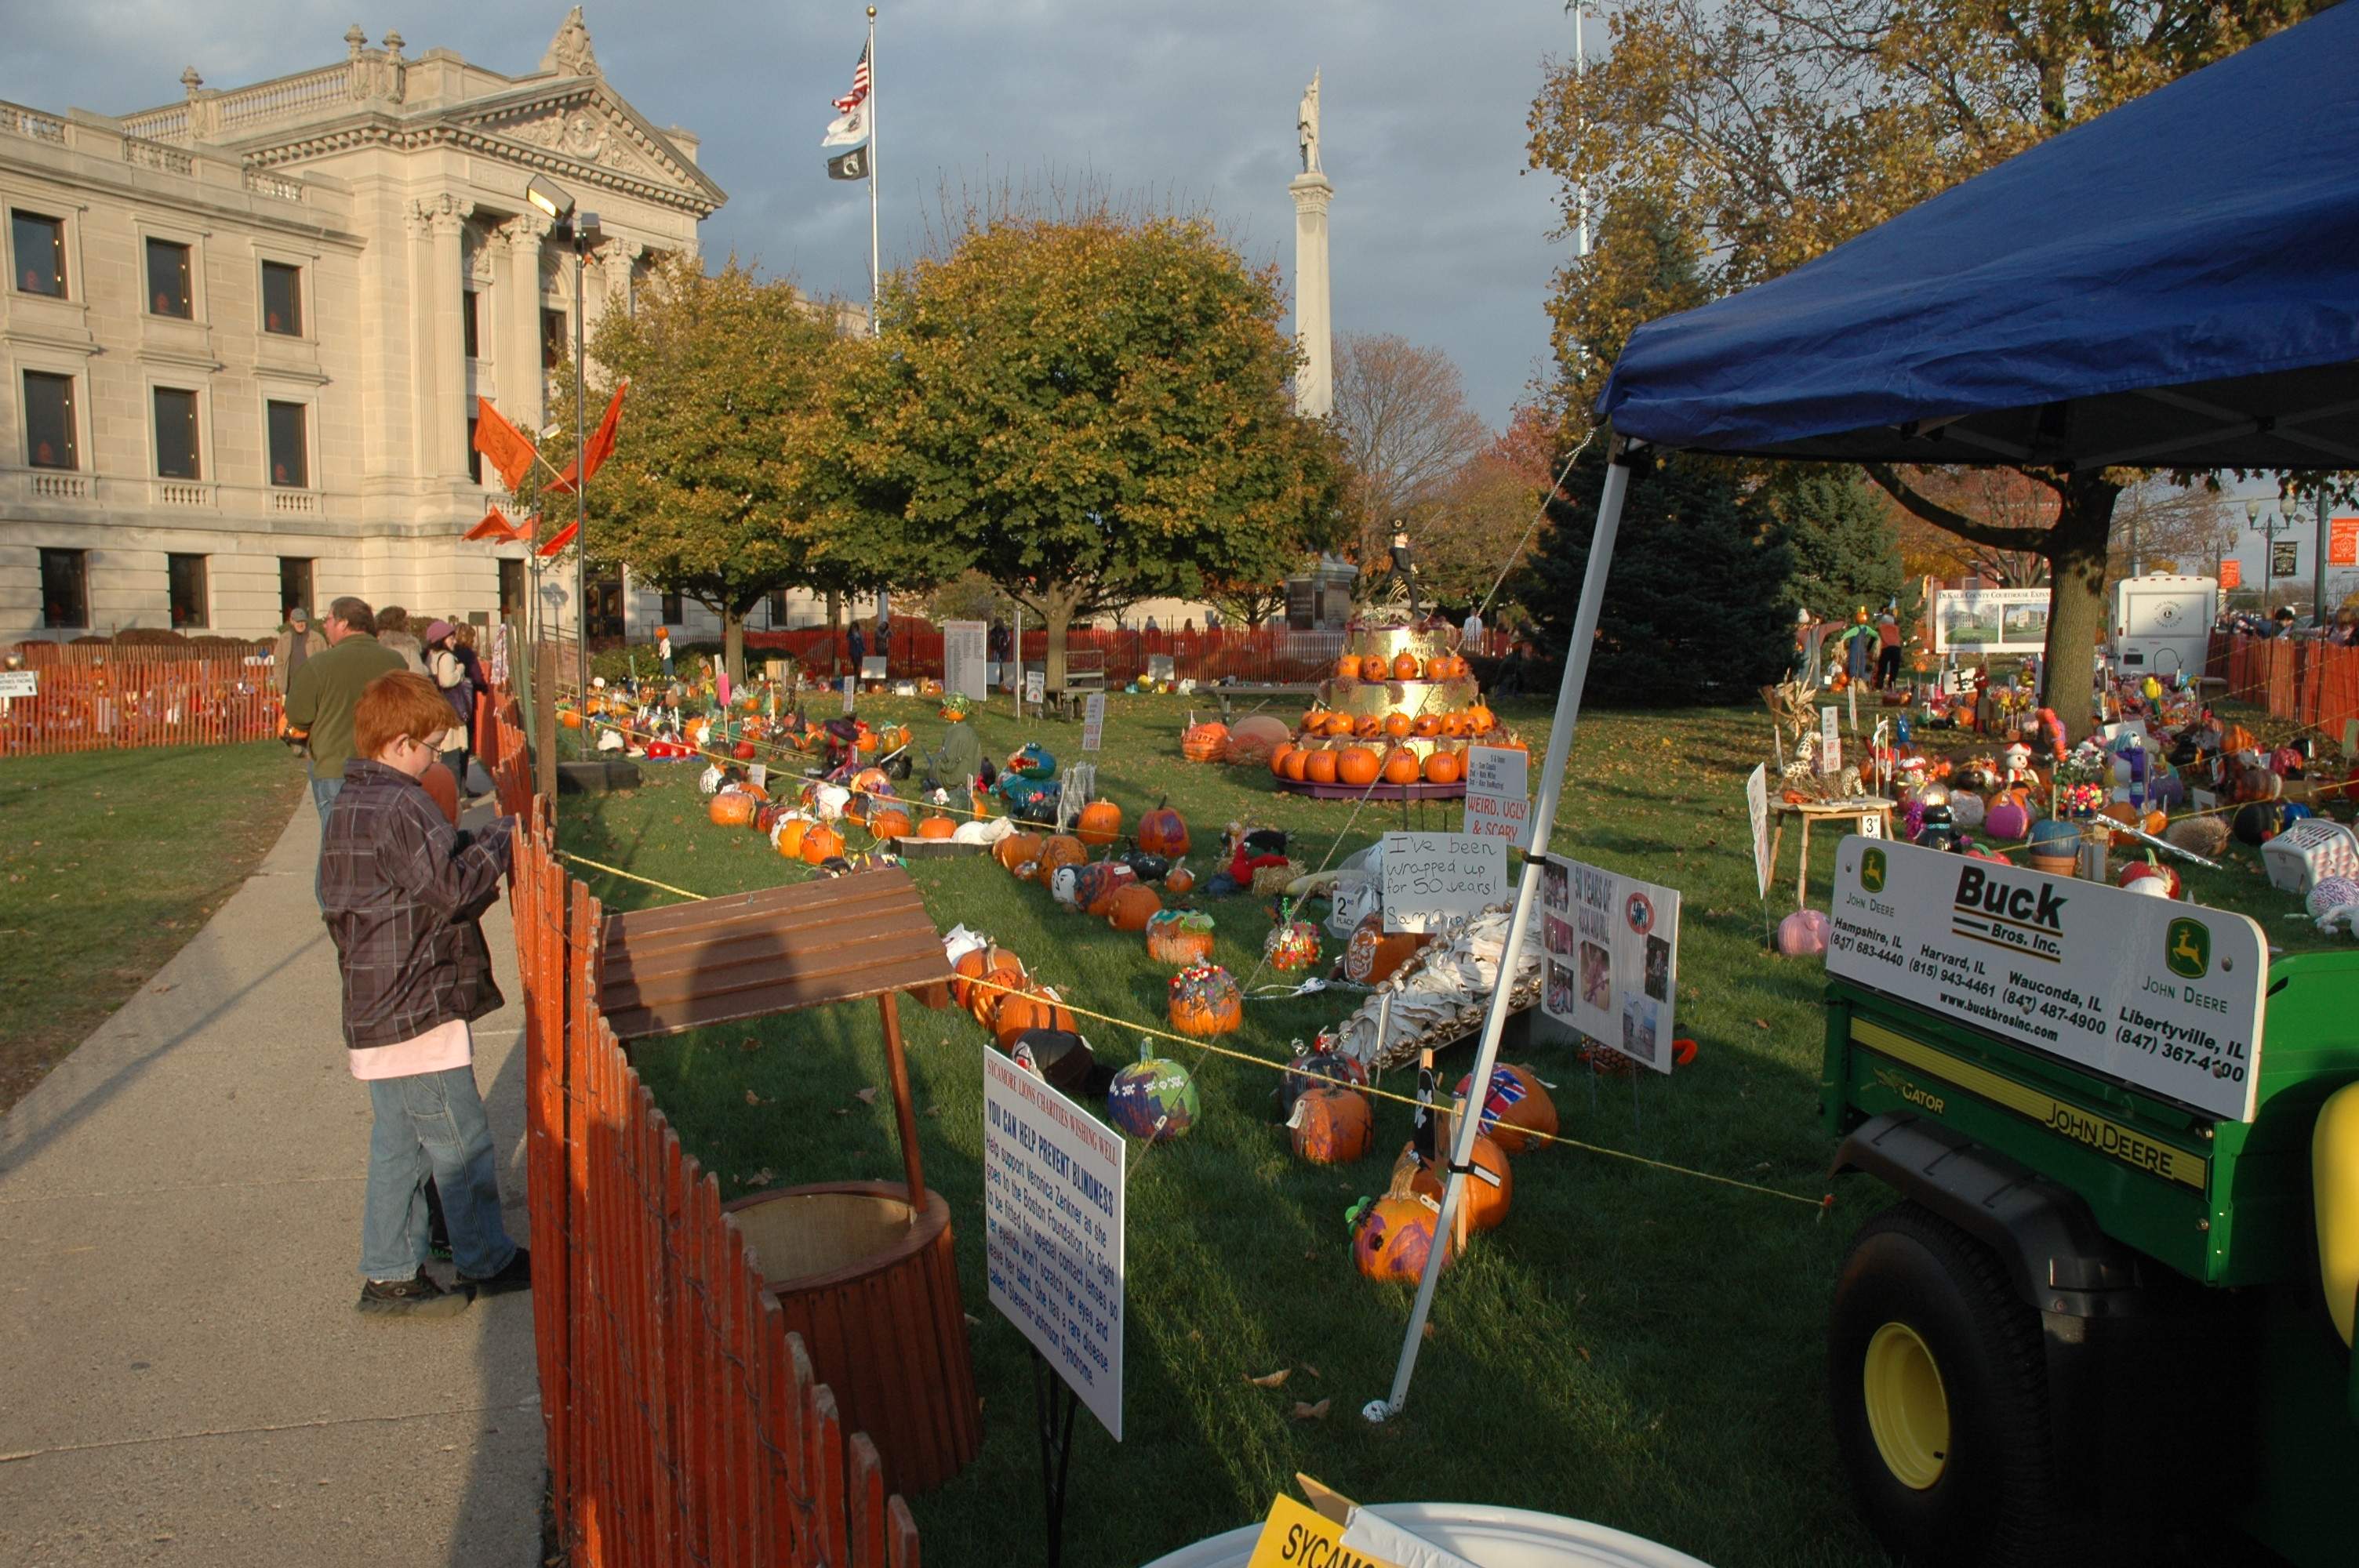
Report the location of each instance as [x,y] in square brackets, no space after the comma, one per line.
[2313,683]
[684,1424]
[92,697]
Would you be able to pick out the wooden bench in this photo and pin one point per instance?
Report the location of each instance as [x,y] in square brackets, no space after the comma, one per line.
[1227,693]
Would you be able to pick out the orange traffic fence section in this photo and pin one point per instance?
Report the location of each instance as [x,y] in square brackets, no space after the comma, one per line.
[86,698]
[2313,683]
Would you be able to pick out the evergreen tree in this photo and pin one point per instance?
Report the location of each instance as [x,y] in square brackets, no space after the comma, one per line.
[1846,551]
[1697,606]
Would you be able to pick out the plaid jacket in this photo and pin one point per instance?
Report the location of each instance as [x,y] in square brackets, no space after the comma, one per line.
[402,891]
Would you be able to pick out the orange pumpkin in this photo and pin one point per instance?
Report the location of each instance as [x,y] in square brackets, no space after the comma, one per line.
[890,823]
[790,838]
[1035,1007]
[1332,1127]
[1404,665]
[570,719]
[1398,725]
[1133,907]
[1441,768]
[1100,823]
[1393,1239]
[1486,1204]
[1178,937]
[1320,768]
[994,967]
[1480,719]
[1348,668]
[1357,766]
[1298,764]
[1278,756]
[1518,1106]
[1061,849]
[1017,850]
[1427,727]
[1205,1000]
[1369,726]
[732,808]
[867,743]
[937,827]
[1373,953]
[820,842]
[1338,725]
[1179,880]
[1204,742]
[1453,725]
[1401,767]
[1163,832]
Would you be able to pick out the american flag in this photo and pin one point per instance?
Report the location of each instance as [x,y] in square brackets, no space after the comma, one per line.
[859,94]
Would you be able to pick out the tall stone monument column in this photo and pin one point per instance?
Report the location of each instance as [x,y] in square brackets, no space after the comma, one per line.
[1314,383]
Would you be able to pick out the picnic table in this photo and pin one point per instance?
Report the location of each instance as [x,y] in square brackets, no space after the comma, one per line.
[1265,690]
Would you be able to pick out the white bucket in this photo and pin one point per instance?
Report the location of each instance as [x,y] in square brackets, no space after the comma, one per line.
[1492,1537]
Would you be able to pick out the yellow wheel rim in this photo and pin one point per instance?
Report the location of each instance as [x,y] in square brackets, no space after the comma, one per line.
[1907,1409]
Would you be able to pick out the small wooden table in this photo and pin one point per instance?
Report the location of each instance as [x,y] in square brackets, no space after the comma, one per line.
[1872,813]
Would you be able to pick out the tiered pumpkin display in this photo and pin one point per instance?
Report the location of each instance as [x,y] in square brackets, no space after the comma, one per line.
[1180,937]
[1397,713]
[1205,1000]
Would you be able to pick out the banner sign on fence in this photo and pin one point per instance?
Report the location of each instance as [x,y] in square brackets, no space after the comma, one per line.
[2162,996]
[1756,807]
[1052,1218]
[1613,958]
[1431,876]
[1498,794]
[966,658]
[1093,720]
[20,683]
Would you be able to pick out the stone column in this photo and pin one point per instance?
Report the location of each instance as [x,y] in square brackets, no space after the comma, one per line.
[424,385]
[446,280]
[1314,383]
[517,308]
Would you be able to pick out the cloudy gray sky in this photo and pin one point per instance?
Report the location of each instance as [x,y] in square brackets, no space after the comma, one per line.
[1437,232]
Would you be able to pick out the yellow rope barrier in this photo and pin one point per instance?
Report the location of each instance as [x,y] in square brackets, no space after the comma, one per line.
[626,876]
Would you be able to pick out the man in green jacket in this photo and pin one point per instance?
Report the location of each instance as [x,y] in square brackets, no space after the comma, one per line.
[327,688]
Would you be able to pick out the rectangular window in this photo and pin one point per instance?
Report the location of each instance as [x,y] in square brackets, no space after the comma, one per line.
[187,583]
[475,458]
[555,350]
[168,280]
[49,421]
[294,584]
[176,434]
[778,607]
[282,301]
[290,461]
[468,323]
[39,248]
[65,588]
[511,590]
[674,611]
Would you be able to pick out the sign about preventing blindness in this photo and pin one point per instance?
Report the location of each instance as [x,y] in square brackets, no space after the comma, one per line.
[1612,957]
[2162,996]
[1052,1213]
[1430,878]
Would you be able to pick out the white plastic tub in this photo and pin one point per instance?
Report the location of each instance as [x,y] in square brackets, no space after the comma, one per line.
[1492,1537]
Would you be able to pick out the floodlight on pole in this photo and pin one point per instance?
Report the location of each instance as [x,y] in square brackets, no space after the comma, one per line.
[553,199]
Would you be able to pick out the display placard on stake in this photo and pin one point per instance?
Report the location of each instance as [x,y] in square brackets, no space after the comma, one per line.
[1612,947]
[1498,794]
[1756,807]
[1035,686]
[850,685]
[1830,739]
[1093,720]
[758,774]
[966,658]
[1431,876]
[1052,1224]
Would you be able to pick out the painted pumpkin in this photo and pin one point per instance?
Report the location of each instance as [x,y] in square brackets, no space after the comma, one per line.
[1427,727]
[1517,1105]
[1400,726]
[1035,1007]
[1131,907]
[1405,666]
[1179,880]
[1486,1201]
[1096,885]
[1292,947]
[1356,766]
[1180,937]
[937,827]
[1315,1070]
[2007,820]
[1802,933]
[1002,975]
[1348,668]
[1401,767]
[1153,1098]
[1059,850]
[1319,768]
[1368,726]
[1204,742]
[1100,823]
[1332,1127]
[822,842]
[1017,850]
[787,834]
[1441,768]
[1205,1000]
[732,808]
[890,823]
[1481,720]
[1393,1239]
[1163,832]
[1373,953]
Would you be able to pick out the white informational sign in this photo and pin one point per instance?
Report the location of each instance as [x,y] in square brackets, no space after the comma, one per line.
[1093,720]
[1990,620]
[1052,1237]
[1498,794]
[872,667]
[758,775]
[1613,958]
[966,658]
[1830,741]
[1431,876]
[1035,686]
[2163,996]
[850,685]
[1756,806]
[20,683]
[1851,696]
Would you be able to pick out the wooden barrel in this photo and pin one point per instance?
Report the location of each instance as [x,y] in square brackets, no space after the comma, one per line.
[876,1301]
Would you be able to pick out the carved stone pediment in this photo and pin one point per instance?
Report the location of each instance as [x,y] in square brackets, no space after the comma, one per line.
[591,132]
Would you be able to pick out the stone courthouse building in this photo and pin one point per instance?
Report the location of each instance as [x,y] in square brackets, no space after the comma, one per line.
[241,334]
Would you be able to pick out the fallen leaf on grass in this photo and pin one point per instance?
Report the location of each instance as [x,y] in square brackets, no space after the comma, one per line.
[865,1096]
[1760,1024]
[933,1110]
[1312,1370]
[1585,1351]
[753,1099]
[749,1044]
[1312,1412]
[762,1178]
[1269,1380]
[842,1110]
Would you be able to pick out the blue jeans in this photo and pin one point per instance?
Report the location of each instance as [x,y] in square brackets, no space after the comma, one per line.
[432,1125]
[323,795]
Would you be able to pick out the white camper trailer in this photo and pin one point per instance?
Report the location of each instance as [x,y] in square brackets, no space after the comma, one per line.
[2163,624]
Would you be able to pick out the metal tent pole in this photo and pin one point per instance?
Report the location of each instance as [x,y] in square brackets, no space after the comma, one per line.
[1494,1021]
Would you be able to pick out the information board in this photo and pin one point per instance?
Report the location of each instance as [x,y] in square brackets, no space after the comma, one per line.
[1498,794]
[1990,620]
[1431,876]
[2160,995]
[850,685]
[966,658]
[1035,686]
[1093,720]
[1052,1229]
[20,683]
[1830,741]
[1612,947]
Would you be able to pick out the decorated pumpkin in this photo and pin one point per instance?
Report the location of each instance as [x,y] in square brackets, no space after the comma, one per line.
[1373,953]
[1163,832]
[1401,767]
[1405,666]
[820,842]
[1399,725]
[2007,820]
[2139,872]
[1517,1105]
[1059,850]
[1002,975]
[1017,850]
[1205,1000]
[1180,937]
[937,827]
[891,822]
[1393,1239]
[1315,1070]
[1153,1098]
[2258,822]
[1487,1200]
[732,808]
[1332,1127]
[1099,825]
[1802,933]
[1292,945]
[1442,768]
[1131,907]
[1348,668]
[1090,888]
[1204,742]
[1319,767]
[1035,1007]
[2330,892]
[1369,726]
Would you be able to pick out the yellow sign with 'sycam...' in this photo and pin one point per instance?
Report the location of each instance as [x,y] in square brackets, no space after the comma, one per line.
[1295,1537]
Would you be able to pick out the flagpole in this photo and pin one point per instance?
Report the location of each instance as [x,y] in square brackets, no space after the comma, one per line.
[872,171]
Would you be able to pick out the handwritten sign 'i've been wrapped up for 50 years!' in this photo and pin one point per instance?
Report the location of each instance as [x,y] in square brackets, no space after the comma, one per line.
[1433,877]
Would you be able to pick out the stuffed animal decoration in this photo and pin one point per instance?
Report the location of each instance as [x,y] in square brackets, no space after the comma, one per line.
[2206,836]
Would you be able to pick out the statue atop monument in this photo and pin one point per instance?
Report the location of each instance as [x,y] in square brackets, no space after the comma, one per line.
[569,52]
[1305,126]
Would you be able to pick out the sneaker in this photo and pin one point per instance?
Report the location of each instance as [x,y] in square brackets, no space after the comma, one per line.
[516,1276]
[418,1297]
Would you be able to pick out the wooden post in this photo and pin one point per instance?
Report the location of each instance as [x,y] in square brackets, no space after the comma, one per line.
[544,721]
[912,1164]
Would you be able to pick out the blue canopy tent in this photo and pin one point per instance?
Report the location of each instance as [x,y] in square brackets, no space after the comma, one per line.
[2175,284]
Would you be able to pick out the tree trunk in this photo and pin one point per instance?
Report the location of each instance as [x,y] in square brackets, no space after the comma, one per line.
[2076,616]
[1057,612]
[733,643]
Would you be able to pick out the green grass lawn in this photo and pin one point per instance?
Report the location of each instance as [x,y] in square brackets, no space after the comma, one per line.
[1633,1346]
[110,860]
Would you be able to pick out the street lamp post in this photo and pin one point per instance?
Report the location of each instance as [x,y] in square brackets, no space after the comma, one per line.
[580,230]
[2269,521]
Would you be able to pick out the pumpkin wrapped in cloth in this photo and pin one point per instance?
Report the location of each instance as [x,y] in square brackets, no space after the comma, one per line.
[1205,1000]
[1180,937]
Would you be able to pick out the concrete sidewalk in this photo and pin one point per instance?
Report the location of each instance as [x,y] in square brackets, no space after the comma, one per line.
[182,1376]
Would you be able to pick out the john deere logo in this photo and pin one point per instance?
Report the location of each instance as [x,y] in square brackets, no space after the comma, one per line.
[1871,870]
[2187,949]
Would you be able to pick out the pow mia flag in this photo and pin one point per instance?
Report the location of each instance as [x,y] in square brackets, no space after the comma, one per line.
[853,165]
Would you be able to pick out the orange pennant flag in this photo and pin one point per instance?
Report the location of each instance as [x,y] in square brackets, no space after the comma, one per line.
[601,447]
[503,443]
[495,527]
[560,539]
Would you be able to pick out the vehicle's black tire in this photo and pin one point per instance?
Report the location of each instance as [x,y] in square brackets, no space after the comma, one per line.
[1993,1502]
